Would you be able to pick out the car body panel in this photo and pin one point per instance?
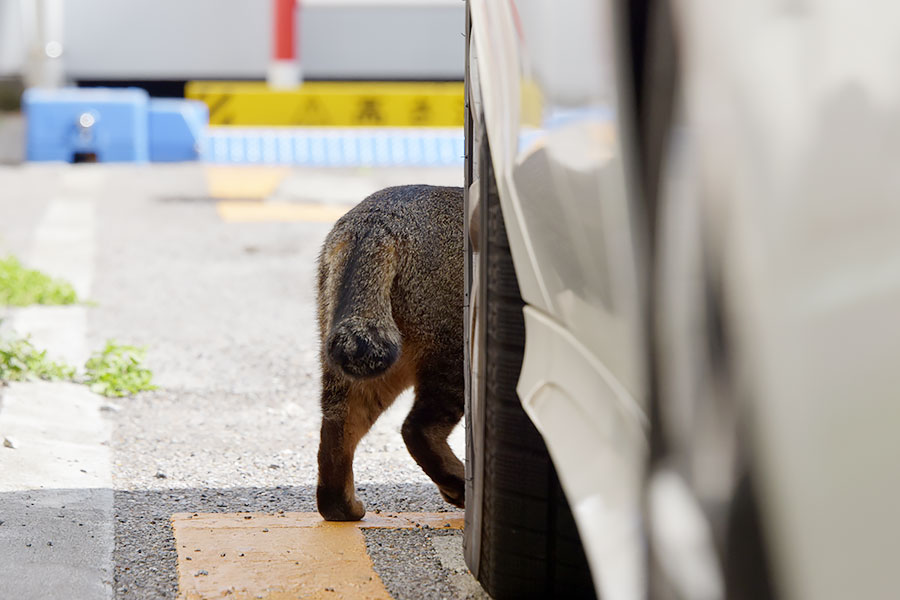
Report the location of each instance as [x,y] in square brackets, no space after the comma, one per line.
[548,93]
[794,111]
[597,444]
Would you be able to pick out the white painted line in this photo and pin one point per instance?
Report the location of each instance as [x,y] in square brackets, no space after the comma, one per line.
[64,247]
[56,496]
[60,436]
[64,243]
[61,330]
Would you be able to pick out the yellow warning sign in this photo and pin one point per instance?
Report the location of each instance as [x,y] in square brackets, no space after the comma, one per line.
[335,104]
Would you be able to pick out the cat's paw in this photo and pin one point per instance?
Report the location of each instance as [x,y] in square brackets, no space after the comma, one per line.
[456,496]
[338,507]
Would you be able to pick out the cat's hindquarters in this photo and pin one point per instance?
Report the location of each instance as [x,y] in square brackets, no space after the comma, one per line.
[359,336]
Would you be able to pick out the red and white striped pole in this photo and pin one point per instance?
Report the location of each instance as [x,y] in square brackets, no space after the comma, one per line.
[284,70]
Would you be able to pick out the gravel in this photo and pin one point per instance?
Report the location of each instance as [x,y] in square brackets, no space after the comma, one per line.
[408,565]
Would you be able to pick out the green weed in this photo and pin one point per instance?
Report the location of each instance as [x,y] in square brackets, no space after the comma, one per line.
[20,286]
[21,361]
[117,371]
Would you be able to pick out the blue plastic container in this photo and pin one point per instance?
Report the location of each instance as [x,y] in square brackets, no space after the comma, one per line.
[177,128]
[91,124]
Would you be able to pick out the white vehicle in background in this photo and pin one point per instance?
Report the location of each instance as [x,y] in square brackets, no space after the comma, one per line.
[684,273]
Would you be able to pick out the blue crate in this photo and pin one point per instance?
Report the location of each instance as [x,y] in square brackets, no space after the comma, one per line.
[108,125]
[177,128]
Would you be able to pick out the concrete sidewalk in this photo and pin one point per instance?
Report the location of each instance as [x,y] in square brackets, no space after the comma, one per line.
[56,496]
[56,493]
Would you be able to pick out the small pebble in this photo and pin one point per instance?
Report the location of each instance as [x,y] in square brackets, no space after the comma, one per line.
[9,442]
[201,572]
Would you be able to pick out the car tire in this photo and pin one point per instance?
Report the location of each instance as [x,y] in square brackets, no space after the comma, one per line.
[527,539]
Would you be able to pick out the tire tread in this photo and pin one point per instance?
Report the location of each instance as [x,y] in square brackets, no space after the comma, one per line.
[530,547]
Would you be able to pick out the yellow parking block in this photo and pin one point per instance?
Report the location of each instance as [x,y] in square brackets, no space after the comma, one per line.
[286,555]
[332,104]
[243,182]
[279,212]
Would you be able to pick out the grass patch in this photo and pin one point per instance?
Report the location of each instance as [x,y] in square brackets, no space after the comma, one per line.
[117,371]
[21,361]
[20,286]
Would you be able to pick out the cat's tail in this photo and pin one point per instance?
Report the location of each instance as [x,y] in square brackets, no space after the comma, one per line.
[359,335]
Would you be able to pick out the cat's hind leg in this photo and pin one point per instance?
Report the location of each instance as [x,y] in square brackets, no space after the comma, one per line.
[348,411]
[349,408]
[437,409]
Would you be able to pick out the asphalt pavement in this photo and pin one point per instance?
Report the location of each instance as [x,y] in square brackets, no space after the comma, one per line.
[225,308]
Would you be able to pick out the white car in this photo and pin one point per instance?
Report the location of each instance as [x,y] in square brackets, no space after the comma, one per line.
[547,257]
[683,298]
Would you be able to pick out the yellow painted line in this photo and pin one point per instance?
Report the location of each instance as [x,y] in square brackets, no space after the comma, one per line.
[279,212]
[243,182]
[334,104]
[287,555]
